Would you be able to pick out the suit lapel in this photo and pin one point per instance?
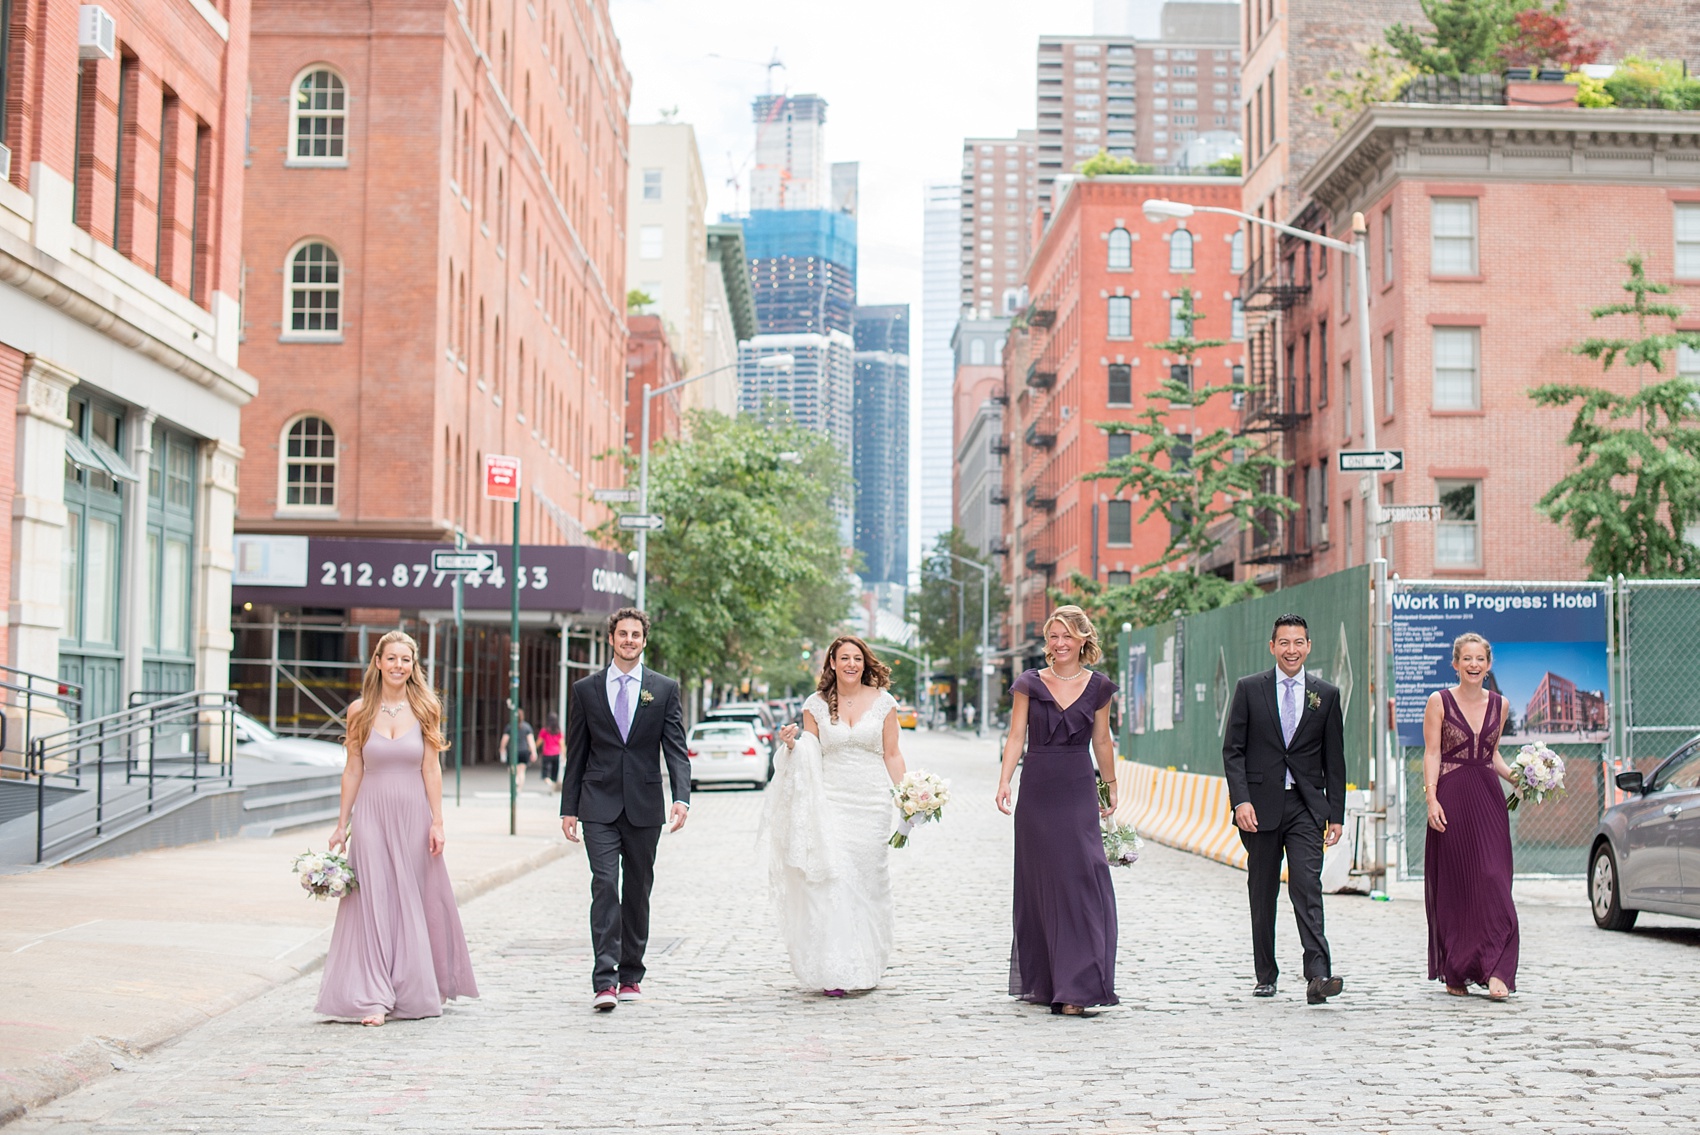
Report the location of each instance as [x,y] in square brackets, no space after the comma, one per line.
[1269,686]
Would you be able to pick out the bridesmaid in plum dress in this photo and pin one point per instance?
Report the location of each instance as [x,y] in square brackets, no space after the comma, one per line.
[1064,950]
[1472,923]
[397,949]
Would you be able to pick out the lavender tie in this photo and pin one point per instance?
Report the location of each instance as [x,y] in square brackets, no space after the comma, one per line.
[623,706]
[1289,710]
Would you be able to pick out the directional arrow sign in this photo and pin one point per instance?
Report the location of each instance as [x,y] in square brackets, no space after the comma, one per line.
[1371,460]
[641,522]
[450,560]
[616,496]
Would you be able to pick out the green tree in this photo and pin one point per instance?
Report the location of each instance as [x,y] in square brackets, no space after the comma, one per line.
[948,631]
[1102,164]
[638,300]
[1634,496]
[1464,37]
[1206,486]
[751,563]
[1230,166]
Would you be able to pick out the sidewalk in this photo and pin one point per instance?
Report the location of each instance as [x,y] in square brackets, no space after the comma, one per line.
[102,960]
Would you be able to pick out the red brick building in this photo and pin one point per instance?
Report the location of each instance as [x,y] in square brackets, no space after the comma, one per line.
[1493,230]
[120,235]
[650,361]
[435,258]
[1105,284]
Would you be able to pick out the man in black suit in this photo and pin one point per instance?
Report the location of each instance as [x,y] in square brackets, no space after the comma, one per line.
[1284,757]
[622,723]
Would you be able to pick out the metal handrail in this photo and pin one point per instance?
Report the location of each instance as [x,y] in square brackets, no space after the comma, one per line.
[65,697]
[128,741]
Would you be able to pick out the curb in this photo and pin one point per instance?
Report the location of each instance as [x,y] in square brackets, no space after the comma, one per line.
[62,1073]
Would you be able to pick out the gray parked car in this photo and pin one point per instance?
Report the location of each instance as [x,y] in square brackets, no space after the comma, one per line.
[1646,851]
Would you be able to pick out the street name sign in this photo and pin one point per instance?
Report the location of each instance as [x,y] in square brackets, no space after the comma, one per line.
[616,496]
[641,522]
[1401,513]
[1371,460]
[454,561]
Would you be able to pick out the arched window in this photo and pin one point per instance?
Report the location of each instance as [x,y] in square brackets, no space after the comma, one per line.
[1121,249]
[1180,251]
[1236,252]
[314,296]
[309,464]
[317,125]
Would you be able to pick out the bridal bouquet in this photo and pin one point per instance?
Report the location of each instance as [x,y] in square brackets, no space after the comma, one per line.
[1538,773]
[324,875]
[921,797]
[1121,843]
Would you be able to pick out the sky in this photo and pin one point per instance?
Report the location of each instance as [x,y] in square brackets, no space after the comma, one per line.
[905,81]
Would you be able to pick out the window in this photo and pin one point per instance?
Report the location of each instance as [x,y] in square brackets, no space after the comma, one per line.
[652,185]
[649,242]
[1121,317]
[315,293]
[309,464]
[1457,379]
[318,125]
[170,536]
[1387,375]
[977,352]
[1386,246]
[1119,578]
[1316,533]
[95,478]
[1346,396]
[1322,363]
[1236,252]
[1121,249]
[1177,325]
[1119,515]
[1119,445]
[1457,535]
[1348,528]
[1688,240]
[1121,384]
[1236,319]
[1453,236]
[1688,362]
[1180,251]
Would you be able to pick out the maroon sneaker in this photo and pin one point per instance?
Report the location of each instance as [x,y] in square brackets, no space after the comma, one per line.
[605,1001]
[631,991]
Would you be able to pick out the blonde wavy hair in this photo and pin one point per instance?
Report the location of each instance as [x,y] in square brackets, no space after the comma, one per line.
[874,672]
[1471,638]
[1080,627]
[420,697]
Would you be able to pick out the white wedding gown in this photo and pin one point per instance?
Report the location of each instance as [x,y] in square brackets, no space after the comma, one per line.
[827,817]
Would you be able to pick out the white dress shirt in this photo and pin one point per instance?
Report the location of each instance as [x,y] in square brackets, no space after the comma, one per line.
[614,677]
[1281,678]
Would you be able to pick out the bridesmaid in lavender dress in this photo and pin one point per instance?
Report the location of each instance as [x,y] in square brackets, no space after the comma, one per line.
[1472,923]
[1064,952]
[397,949]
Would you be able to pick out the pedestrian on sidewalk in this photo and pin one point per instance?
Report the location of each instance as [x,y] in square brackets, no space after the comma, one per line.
[1472,922]
[1064,916]
[624,722]
[525,754]
[549,742]
[1283,754]
[397,949]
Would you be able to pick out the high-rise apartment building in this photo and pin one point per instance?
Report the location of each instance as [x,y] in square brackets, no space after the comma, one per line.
[999,191]
[789,170]
[941,269]
[1138,99]
[802,270]
[882,442]
[814,378]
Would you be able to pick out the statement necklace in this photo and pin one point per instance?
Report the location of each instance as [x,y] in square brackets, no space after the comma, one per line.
[393,710]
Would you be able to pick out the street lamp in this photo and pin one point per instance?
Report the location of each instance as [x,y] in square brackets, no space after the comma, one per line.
[765,362]
[1158,210]
[985,635]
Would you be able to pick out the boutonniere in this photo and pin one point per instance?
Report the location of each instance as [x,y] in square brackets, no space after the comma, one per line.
[1313,699]
[646,697]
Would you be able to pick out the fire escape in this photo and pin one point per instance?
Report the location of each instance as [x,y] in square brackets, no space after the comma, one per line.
[1036,483]
[1271,411]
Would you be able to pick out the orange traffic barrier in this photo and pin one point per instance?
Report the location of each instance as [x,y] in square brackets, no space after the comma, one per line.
[1185,810]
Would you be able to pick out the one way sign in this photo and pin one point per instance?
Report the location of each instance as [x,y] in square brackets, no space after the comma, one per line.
[1371,460]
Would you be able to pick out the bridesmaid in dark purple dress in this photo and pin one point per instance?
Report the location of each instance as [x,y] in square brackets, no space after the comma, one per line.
[1472,923]
[1064,952]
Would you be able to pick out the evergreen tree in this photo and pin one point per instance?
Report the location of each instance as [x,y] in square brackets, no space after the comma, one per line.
[1465,40]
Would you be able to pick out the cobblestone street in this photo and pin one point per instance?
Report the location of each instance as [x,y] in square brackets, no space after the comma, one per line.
[1599,1038]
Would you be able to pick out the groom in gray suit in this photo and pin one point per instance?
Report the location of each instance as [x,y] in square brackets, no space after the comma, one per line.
[623,722]
[1283,754]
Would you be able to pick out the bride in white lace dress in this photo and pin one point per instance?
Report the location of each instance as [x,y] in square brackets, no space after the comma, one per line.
[828,814]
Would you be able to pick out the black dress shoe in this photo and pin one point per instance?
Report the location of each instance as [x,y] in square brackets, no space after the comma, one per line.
[1321,989]
[1264,989]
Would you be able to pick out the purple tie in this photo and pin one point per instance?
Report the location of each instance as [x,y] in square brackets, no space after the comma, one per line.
[623,706]
[1289,710]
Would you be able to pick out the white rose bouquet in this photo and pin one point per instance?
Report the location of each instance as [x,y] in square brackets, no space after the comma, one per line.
[324,874]
[1121,843]
[921,797]
[1537,773]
